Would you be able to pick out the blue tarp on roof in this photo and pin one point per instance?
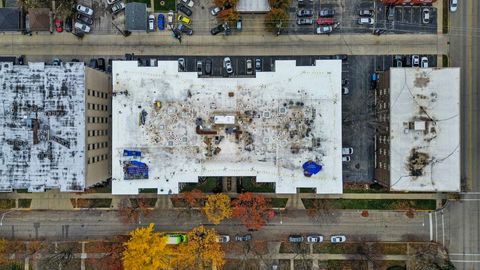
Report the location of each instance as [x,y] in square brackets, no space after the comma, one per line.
[311,167]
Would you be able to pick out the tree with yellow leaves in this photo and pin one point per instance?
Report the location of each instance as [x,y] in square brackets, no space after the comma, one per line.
[202,251]
[217,208]
[147,250]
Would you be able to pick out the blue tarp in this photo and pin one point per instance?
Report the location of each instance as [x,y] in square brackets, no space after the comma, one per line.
[128,153]
[311,167]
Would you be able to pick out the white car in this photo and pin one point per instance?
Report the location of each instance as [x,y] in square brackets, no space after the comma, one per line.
[315,238]
[425,16]
[85,10]
[347,150]
[215,11]
[110,2]
[227,64]
[223,238]
[170,17]
[415,61]
[366,20]
[345,90]
[453,5]
[82,27]
[346,159]
[338,238]
[189,3]
[424,62]
[151,23]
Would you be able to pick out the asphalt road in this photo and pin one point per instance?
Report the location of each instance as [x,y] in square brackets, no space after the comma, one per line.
[92,224]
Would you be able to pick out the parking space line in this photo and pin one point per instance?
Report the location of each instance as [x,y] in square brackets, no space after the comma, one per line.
[431,223]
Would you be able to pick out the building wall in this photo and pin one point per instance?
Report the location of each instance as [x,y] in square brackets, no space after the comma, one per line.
[382,138]
[98,133]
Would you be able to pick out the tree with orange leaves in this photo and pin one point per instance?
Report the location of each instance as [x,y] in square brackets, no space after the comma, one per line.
[253,210]
[217,208]
[228,15]
[130,212]
[189,200]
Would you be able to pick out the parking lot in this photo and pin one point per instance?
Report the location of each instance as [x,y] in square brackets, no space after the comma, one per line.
[406,19]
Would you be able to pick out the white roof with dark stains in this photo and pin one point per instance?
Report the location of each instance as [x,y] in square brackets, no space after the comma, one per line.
[253,6]
[425,129]
[282,120]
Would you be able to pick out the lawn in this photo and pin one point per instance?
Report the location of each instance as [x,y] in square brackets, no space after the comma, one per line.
[24,203]
[205,184]
[249,184]
[279,202]
[299,248]
[392,248]
[376,204]
[340,265]
[344,248]
[7,203]
[91,203]
[167,5]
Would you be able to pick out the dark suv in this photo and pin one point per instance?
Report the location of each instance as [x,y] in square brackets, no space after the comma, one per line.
[184,9]
[217,29]
[294,238]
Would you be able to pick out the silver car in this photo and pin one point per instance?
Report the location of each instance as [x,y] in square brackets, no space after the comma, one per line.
[338,239]
[227,64]
[84,10]
[82,27]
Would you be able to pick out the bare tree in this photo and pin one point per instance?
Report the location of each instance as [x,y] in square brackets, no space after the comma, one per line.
[429,256]
[322,211]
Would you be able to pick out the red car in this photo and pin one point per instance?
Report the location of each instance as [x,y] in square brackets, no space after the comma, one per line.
[326,21]
[58,26]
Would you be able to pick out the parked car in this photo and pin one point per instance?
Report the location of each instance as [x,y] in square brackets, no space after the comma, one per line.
[68,24]
[365,13]
[239,24]
[111,2]
[342,57]
[390,13]
[315,238]
[326,21]
[223,238]
[208,66]
[214,11]
[184,19]
[101,63]
[84,19]
[199,68]
[84,10]
[184,9]
[58,26]
[304,21]
[82,27]
[398,60]
[161,22]
[347,150]
[344,82]
[21,59]
[295,238]
[170,17]
[327,12]
[258,64]
[185,29]
[325,29]
[93,63]
[249,66]
[345,158]
[415,60]
[365,20]
[338,238]
[217,29]
[424,62]
[345,90]
[305,12]
[227,64]
[151,23]
[56,62]
[453,5]
[117,7]
[189,3]
[241,238]
[425,16]
[181,64]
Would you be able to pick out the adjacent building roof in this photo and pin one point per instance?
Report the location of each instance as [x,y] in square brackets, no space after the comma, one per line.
[39,19]
[425,129]
[9,19]
[171,127]
[42,127]
[253,6]
[136,17]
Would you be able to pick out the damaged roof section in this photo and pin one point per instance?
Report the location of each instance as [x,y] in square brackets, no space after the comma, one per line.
[42,127]
[425,129]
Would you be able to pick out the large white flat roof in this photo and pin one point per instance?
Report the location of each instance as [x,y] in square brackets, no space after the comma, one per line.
[282,120]
[425,129]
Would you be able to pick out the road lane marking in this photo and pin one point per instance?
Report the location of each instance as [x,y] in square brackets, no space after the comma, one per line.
[443,230]
[464,261]
[469,199]
[464,254]
[431,232]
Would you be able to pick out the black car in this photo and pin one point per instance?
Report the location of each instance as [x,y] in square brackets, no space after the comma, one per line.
[93,63]
[217,29]
[208,66]
[21,59]
[184,9]
[101,64]
[241,238]
[68,25]
[84,19]
[185,29]
[129,56]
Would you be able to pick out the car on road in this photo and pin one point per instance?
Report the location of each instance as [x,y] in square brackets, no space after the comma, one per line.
[249,66]
[258,64]
[217,29]
[184,19]
[181,7]
[346,159]
[315,238]
[208,66]
[227,64]
[117,7]
[214,11]
[365,13]
[338,239]
[425,16]
[242,238]
[453,5]
[84,10]
[304,12]
[424,62]
[304,21]
[161,22]
[295,238]
[189,3]
[415,61]
[181,64]
[324,29]
[326,21]
[84,19]
[223,238]
[58,25]
[185,29]
[366,20]
[151,23]
[347,150]
[82,27]
[327,12]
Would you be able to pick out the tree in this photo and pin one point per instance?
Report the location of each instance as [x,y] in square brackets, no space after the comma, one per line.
[429,256]
[225,3]
[253,211]
[189,200]
[130,212]
[228,15]
[217,208]
[321,211]
[202,250]
[281,4]
[276,19]
[147,250]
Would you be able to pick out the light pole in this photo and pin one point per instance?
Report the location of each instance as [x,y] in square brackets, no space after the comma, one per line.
[3,215]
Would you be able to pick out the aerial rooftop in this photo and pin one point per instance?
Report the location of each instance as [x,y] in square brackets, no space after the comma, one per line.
[171,127]
[425,129]
[42,127]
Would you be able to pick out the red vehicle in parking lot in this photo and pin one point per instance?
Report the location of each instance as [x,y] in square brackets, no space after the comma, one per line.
[58,25]
[326,21]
